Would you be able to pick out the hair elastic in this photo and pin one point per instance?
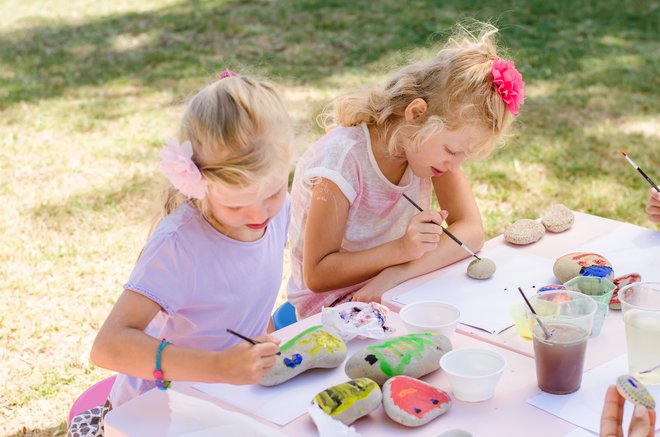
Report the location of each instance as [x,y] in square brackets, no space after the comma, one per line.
[161,383]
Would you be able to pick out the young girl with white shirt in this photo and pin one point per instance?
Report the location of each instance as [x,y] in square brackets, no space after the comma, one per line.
[353,235]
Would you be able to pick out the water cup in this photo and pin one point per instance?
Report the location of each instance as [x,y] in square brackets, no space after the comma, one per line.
[640,302]
[518,312]
[600,290]
[559,335]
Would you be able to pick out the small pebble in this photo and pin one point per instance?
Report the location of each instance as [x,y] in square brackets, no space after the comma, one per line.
[481,269]
[524,231]
[558,218]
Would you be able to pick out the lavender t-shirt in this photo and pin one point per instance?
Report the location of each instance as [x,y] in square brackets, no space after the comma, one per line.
[205,282]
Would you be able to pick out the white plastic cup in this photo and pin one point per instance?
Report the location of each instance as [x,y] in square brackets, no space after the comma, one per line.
[473,373]
[430,316]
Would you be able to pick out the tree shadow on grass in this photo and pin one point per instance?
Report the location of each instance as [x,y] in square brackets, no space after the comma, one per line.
[307,41]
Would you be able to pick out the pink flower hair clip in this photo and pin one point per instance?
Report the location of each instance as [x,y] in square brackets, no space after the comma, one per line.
[181,171]
[225,74]
[509,84]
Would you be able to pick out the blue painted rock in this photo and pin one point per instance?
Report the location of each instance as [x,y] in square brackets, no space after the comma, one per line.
[630,388]
[351,400]
[575,264]
[312,348]
[412,355]
[412,402]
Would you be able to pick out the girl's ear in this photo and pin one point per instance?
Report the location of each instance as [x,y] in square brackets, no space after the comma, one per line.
[415,109]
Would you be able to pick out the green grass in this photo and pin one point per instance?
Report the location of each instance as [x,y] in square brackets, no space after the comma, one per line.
[89,90]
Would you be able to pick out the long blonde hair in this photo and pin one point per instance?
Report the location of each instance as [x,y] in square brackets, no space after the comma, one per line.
[240,132]
[457,86]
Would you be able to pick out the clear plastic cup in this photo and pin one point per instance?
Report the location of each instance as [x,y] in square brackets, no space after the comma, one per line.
[560,331]
[640,302]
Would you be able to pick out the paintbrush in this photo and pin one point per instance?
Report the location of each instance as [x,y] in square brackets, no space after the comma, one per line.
[248,339]
[545,331]
[449,234]
[640,171]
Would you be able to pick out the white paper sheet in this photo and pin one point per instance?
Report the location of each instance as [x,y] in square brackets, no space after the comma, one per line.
[282,403]
[630,249]
[484,304]
[171,413]
[583,408]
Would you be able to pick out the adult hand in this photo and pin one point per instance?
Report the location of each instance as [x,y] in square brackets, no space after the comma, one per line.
[641,425]
[423,233]
[653,206]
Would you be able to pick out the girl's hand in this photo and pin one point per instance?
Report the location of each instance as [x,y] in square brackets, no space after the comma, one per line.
[373,290]
[423,234]
[653,206]
[641,425]
[246,363]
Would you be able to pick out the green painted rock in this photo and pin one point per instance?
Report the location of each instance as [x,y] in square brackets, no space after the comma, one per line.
[351,400]
[412,355]
[312,348]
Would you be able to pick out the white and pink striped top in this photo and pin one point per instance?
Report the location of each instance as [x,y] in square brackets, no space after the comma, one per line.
[377,214]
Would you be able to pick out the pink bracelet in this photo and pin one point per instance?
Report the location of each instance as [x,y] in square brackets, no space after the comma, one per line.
[158,374]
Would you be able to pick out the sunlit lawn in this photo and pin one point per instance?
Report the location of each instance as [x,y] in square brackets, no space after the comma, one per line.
[89,90]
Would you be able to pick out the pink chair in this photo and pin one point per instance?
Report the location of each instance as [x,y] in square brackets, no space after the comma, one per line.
[92,397]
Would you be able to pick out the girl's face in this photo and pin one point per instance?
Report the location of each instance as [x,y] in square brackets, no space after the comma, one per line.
[244,213]
[444,151]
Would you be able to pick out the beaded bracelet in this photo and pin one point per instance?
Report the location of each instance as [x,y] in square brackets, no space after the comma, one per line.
[158,374]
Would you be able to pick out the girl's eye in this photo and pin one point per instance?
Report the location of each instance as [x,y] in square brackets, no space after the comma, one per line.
[450,152]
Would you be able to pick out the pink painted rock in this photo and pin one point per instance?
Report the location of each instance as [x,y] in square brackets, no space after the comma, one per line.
[575,264]
[621,282]
[412,402]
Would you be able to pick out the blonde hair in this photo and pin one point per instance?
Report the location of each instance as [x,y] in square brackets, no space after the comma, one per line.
[457,85]
[241,135]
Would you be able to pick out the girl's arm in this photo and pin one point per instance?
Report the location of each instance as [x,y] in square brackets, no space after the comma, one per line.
[122,345]
[326,268]
[455,195]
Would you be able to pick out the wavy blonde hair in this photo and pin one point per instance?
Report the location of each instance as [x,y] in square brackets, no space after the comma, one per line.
[241,135]
[457,85]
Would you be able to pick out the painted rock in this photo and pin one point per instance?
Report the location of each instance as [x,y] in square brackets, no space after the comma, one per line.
[630,388]
[412,402]
[312,348]
[621,282]
[551,287]
[524,231]
[481,268]
[351,400]
[575,264]
[412,355]
[558,218]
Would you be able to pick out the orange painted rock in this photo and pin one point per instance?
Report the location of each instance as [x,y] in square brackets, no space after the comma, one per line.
[412,402]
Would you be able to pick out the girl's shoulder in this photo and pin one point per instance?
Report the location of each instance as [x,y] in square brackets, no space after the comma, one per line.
[338,147]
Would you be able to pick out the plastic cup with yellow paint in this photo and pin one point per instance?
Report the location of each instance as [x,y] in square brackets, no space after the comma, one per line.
[518,312]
